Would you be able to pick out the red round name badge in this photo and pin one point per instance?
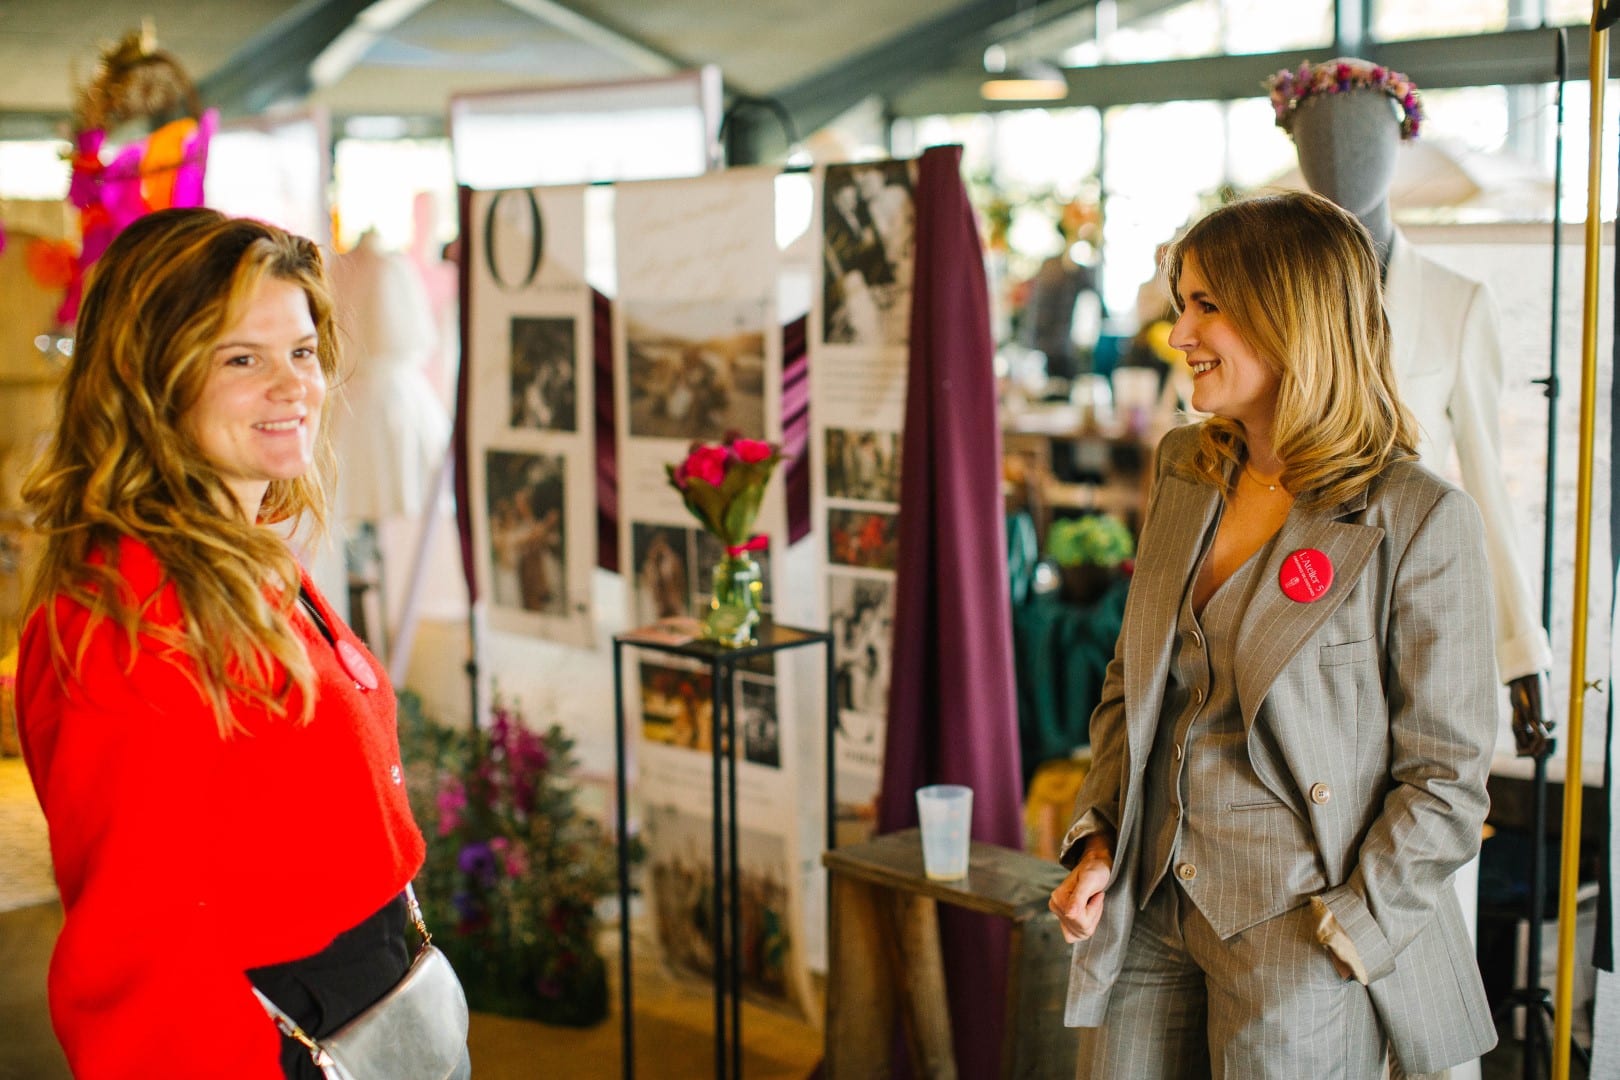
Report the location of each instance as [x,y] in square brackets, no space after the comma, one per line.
[356,665]
[1306,575]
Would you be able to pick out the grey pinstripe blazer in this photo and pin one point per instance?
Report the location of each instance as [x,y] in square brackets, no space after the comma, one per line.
[1381,695]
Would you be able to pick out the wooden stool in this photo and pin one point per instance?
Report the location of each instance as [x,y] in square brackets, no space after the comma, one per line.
[885,954]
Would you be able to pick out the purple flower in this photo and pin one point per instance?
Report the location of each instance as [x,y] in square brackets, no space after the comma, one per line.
[478,862]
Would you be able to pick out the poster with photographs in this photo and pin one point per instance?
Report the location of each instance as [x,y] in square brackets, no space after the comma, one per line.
[859,359]
[698,355]
[868,230]
[531,460]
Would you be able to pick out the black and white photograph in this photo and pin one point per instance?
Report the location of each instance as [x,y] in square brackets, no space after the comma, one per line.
[862,621]
[756,716]
[868,228]
[525,499]
[662,555]
[697,371]
[543,366]
[863,465]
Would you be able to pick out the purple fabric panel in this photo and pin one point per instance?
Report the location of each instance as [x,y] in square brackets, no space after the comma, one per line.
[796,425]
[952,707]
[458,437]
[607,447]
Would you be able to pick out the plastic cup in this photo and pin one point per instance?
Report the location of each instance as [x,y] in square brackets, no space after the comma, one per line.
[945,812]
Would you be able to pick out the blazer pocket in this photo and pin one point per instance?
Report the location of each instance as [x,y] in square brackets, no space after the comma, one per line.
[1348,653]
[1258,804]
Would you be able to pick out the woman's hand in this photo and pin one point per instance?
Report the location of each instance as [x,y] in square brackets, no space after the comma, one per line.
[1078,902]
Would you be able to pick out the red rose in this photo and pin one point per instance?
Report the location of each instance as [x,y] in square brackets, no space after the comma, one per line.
[707,463]
[751,450]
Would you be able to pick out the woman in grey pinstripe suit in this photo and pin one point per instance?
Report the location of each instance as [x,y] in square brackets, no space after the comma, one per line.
[1289,758]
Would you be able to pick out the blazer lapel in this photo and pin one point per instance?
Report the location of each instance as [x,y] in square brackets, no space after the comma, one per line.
[1274,628]
[1169,547]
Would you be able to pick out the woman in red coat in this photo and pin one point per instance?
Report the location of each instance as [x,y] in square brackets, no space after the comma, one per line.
[214,749]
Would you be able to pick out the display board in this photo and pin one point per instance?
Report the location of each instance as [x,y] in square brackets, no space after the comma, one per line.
[531,426]
[858,359]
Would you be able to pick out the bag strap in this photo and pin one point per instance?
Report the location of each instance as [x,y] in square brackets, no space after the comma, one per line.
[413,911]
[289,1027]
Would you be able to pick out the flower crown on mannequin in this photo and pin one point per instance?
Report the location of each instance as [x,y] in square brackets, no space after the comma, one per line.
[1290,88]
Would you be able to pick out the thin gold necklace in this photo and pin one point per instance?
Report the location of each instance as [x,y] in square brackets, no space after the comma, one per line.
[1256,478]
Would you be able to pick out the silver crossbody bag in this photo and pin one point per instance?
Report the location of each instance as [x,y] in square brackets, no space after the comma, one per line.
[416,1031]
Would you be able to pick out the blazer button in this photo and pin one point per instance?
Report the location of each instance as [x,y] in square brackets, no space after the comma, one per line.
[1197,639]
[1321,794]
[1198,695]
[1186,871]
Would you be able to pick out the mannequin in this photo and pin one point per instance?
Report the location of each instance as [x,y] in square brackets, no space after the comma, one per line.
[1347,118]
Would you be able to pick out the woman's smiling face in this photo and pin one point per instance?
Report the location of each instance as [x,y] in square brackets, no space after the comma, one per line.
[260,407]
[1230,378]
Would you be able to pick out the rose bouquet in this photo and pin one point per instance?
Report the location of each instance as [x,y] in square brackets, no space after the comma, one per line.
[722,485]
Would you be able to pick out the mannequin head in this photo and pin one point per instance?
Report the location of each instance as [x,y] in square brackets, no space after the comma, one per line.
[1346,117]
[1346,145]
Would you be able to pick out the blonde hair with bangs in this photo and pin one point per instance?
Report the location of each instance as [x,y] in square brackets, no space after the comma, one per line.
[120,463]
[1299,280]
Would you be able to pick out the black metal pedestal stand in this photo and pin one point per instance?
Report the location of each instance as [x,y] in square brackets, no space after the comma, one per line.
[725,912]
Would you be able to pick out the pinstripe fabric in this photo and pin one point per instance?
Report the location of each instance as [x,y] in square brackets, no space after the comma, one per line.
[1379,698]
[1264,1004]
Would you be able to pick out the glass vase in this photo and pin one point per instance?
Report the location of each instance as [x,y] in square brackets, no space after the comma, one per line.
[733,614]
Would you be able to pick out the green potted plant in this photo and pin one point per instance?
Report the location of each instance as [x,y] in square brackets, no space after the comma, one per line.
[1091,551]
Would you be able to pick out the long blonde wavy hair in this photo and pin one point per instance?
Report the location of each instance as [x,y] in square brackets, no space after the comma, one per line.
[1299,280]
[121,463]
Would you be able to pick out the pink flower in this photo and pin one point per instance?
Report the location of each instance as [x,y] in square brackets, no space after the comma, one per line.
[452,799]
[751,450]
[706,463]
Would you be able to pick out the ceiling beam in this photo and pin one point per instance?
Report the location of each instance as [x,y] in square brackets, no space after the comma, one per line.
[594,32]
[957,37]
[352,44]
[1514,57]
[274,65]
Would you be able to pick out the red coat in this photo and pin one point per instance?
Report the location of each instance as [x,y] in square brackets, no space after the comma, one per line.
[184,858]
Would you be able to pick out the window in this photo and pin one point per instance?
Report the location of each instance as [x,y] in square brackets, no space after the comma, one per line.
[1397,20]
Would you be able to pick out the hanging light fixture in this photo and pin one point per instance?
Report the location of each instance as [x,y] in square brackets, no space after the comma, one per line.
[1032,80]
[1027,80]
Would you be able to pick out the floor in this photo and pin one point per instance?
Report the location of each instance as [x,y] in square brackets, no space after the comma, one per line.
[673,1027]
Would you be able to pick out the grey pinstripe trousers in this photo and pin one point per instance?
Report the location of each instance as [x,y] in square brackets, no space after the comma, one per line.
[1265,1003]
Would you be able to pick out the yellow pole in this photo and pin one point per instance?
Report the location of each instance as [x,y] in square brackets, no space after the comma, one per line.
[1569,877]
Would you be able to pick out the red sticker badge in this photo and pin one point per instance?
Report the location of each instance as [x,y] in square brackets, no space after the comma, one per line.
[1306,575]
[356,665]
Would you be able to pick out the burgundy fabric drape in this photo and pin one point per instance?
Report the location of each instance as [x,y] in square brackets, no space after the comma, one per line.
[458,435]
[952,706]
[607,436]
